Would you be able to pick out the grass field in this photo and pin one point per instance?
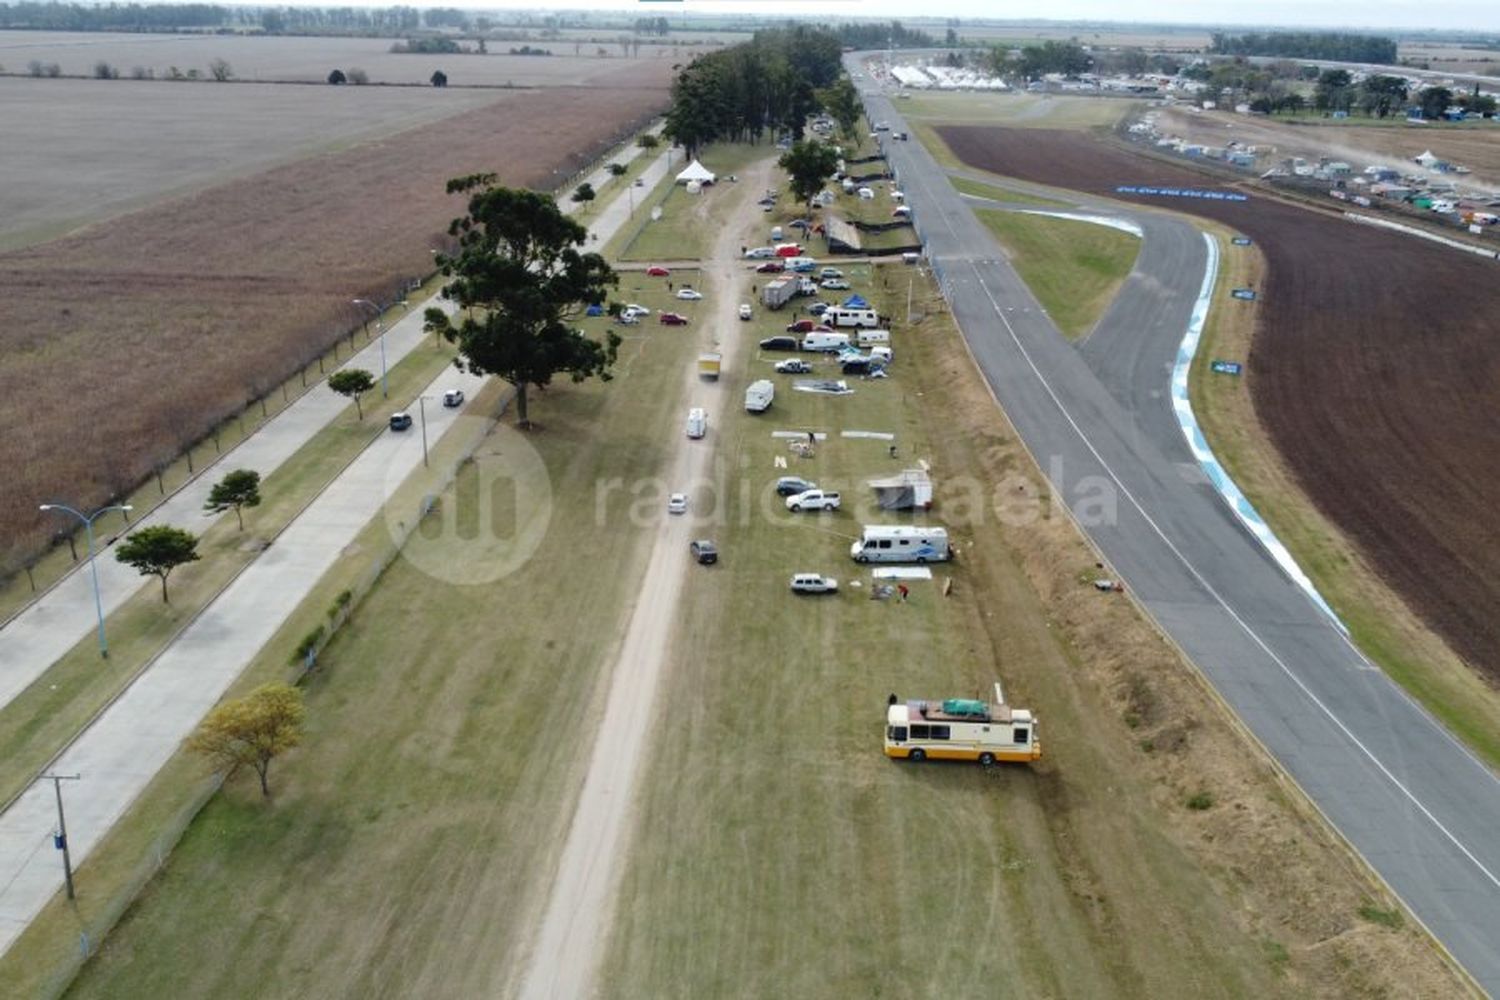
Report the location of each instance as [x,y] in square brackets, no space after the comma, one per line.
[1073,268]
[443,724]
[1379,622]
[689,222]
[778,851]
[1015,110]
[241,285]
[981,190]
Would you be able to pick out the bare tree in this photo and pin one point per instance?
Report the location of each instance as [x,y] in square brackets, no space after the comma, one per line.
[221,70]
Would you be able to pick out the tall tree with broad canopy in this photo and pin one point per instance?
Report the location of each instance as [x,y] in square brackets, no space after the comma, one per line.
[809,165]
[253,730]
[237,490]
[521,280]
[158,550]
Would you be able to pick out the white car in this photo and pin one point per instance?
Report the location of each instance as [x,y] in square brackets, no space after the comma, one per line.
[677,503]
[689,294]
[813,500]
[453,397]
[745,310]
[632,309]
[814,583]
[760,253]
[834,284]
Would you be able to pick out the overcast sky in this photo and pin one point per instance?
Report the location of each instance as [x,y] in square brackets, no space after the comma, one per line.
[1475,15]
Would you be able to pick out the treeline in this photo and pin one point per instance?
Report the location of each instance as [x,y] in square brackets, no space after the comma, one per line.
[879,36]
[1336,46]
[112,17]
[738,93]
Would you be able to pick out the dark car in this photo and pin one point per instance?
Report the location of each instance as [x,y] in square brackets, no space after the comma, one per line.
[857,366]
[818,308]
[790,486]
[800,326]
[771,267]
[400,421]
[673,319]
[781,344]
[704,551]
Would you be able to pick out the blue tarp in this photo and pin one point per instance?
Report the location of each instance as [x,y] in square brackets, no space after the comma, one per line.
[595,310]
[855,302]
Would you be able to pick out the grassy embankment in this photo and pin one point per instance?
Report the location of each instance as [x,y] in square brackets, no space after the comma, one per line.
[411,836]
[1073,268]
[689,222]
[778,851]
[1379,622]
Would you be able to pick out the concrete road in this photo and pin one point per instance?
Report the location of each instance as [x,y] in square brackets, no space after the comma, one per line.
[1419,808]
[41,634]
[120,753]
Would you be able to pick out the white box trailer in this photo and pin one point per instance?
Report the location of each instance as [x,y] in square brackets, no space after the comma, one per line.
[759,395]
[778,293]
[900,543]
[911,490]
[844,316]
[872,338]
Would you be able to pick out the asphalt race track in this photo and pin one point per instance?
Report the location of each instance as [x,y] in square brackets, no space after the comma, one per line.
[1419,808]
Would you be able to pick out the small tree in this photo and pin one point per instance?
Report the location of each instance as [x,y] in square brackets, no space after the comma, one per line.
[616,169]
[648,141]
[353,383]
[104,71]
[238,489]
[157,551]
[583,194]
[220,70]
[809,165]
[439,79]
[358,77]
[337,77]
[253,730]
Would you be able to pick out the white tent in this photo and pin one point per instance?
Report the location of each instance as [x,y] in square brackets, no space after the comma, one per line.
[696,172]
[1426,159]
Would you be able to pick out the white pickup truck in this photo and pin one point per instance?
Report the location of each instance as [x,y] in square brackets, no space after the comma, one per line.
[813,500]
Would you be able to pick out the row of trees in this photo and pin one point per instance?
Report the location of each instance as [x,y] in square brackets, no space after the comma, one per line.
[1033,61]
[1330,45]
[880,36]
[770,82]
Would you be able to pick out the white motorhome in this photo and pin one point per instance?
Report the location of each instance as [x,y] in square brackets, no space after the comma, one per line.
[900,543]
[844,316]
[697,422]
[759,395]
[825,341]
[961,729]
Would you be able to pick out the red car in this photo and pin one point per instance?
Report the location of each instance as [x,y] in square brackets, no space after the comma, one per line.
[673,319]
[657,271]
[771,267]
[784,250]
[801,326]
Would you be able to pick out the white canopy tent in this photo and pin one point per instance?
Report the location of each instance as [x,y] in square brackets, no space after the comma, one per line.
[696,171]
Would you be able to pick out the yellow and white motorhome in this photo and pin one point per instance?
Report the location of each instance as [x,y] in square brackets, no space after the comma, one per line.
[961,729]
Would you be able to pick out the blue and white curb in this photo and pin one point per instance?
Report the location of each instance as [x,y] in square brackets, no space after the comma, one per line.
[1124,225]
[1198,444]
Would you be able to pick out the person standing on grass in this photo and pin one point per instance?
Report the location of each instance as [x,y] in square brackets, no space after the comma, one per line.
[901,589]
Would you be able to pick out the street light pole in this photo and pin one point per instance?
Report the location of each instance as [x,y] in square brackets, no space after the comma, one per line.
[422,409]
[385,385]
[88,526]
[61,840]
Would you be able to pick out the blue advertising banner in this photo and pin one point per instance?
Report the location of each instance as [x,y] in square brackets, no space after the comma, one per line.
[1241,241]
[1172,192]
[1248,294]
[1226,367]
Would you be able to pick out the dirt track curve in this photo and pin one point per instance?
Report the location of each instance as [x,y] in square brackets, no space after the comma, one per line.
[1376,369]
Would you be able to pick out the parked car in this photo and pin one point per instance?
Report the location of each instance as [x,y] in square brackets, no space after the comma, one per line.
[813,500]
[759,253]
[793,366]
[771,267]
[673,319]
[453,397]
[781,344]
[802,224]
[400,421]
[882,127]
[814,583]
[657,271]
[705,551]
[834,284]
[745,311]
[791,485]
[631,309]
[830,272]
[818,308]
[789,250]
[677,503]
[689,294]
[801,326]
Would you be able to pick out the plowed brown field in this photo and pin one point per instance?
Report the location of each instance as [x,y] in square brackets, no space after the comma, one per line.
[128,340]
[1376,370]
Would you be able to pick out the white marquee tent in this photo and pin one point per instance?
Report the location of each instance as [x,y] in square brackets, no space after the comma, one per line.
[696,171]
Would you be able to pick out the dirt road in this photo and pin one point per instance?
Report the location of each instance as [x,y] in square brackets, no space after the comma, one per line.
[576,926]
